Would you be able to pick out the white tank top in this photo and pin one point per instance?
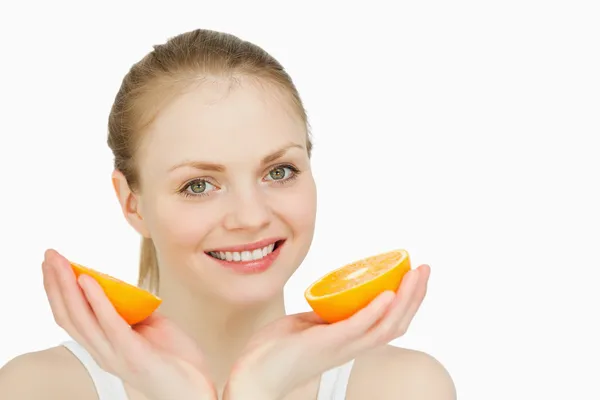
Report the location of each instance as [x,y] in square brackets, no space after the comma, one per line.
[109,387]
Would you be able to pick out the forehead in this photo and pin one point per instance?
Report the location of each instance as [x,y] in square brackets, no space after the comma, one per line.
[223,122]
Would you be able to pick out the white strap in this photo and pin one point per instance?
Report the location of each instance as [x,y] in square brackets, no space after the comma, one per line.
[108,386]
[327,385]
[334,382]
[341,385]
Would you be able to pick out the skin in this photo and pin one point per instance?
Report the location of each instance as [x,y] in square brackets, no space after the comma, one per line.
[231,330]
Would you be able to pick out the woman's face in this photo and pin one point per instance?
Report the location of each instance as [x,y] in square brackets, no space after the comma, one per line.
[227,193]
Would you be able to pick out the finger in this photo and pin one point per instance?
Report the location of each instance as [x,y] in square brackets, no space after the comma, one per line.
[118,332]
[385,330]
[57,304]
[80,314]
[359,323]
[59,309]
[418,297]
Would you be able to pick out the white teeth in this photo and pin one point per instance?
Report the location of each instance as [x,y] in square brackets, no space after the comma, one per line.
[256,254]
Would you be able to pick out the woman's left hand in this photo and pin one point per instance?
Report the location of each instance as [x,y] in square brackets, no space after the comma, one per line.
[296,348]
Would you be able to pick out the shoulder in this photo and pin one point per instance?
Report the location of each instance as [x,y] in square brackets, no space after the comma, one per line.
[47,374]
[391,372]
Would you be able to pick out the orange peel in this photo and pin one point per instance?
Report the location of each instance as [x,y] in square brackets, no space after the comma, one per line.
[132,303]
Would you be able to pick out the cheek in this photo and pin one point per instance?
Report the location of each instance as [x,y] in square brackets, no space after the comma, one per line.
[180,224]
[298,207]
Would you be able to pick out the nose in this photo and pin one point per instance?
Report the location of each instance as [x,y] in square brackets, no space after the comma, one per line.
[248,211]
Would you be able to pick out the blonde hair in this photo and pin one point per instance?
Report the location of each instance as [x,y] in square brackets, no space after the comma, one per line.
[166,71]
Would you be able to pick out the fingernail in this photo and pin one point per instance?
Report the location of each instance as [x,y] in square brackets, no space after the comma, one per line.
[414,274]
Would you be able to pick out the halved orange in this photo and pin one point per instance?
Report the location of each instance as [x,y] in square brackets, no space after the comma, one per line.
[132,303]
[344,291]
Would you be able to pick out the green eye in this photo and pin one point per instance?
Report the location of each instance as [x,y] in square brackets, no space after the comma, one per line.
[277,173]
[282,174]
[198,187]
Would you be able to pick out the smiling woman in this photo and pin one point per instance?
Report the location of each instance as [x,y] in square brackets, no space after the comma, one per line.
[212,168]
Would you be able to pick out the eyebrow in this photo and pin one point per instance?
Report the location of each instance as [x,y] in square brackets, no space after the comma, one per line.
[206,166]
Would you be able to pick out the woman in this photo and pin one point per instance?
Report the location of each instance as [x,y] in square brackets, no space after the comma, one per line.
[212,168]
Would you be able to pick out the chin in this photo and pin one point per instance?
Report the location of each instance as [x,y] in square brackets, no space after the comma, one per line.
[252,297]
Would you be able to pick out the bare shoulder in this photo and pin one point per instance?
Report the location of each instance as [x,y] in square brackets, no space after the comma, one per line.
[47,374]
[391,372]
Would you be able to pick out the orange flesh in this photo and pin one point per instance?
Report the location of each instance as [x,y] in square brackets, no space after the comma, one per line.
[80,269]
[345,277]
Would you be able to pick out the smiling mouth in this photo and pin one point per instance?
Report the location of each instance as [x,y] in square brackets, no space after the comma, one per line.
[246,255]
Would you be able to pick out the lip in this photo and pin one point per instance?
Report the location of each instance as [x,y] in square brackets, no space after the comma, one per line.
[250,246]
[252,266]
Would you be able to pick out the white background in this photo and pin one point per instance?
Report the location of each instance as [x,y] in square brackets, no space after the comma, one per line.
[466,132]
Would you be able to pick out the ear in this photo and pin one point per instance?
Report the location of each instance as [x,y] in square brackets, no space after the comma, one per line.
[130,204]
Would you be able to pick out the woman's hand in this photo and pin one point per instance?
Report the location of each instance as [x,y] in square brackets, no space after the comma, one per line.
[296,348]
[154,356]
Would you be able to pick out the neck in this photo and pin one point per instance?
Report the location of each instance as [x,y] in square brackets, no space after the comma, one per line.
[221,330]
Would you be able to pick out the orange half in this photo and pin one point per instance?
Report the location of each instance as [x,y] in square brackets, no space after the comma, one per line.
[344,291]
[132,303]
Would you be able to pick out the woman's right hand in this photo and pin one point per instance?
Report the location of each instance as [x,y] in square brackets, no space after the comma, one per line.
[154,357]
